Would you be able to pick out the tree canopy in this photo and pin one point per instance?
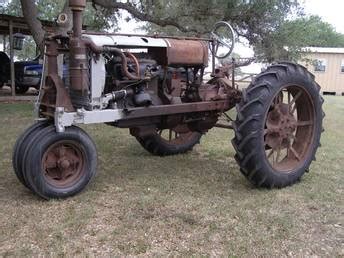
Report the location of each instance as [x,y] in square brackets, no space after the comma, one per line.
[268,25]
[287,41]
[94,19]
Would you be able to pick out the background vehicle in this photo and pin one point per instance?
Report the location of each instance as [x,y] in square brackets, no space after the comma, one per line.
[27,73]
[154,86]
[4,68]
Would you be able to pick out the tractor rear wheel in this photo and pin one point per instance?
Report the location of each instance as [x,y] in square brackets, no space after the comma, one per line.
[278,126]
[173,141]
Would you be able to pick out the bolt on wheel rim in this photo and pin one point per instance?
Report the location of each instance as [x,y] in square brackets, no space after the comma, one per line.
[63,164]
[289,129]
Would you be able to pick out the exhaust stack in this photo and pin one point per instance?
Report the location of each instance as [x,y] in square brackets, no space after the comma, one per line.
[78,66]
[77,7]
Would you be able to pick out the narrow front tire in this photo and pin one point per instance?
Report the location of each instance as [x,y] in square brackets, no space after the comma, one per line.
[60,165]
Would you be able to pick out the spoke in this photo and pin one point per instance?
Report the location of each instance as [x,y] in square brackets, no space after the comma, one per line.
[65,175]
[295,98]
[295,153]
[73,158]
[60,151]
[221,41]
[229,119]
[280,97]
[289,98]
[216,48]
[270,154]
[160,132]
[304,123]
[278,155]
[50,161]
[170,135]
[293,109]
[292,137]
[175,135]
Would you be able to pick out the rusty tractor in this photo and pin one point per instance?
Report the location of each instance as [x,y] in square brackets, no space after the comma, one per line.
[155,86]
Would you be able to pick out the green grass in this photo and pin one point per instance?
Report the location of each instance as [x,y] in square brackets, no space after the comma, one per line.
[192,204]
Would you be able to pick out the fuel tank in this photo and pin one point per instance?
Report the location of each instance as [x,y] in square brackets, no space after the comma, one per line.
[181,52]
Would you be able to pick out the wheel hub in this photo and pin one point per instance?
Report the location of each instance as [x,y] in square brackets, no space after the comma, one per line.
[281,126]
[62,164]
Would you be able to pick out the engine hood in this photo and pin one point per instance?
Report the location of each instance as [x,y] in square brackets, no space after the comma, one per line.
[126,41]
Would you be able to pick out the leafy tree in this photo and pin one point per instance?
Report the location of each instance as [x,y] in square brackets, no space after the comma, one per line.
[94,19]
[288,39]
[252,19]
[265,24]
[277,30]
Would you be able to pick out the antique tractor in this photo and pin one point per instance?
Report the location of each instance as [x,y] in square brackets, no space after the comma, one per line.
[155,87]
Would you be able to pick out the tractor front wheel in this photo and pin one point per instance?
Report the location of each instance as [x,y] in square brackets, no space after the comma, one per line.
[25,140]
[59,165]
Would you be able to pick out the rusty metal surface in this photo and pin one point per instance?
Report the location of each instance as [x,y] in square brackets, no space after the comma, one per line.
[136,62]
[54,93]
[289,129]
[77,4]
[216,97]
[63,164]
[187,52]
[176,136]
[78,66]
[221,105]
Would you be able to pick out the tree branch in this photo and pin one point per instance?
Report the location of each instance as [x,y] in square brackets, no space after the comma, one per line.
[30,13]
[136,13]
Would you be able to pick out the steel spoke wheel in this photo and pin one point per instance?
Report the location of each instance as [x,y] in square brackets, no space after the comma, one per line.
[289,128]
[175,136]
[171,141]
[278,126]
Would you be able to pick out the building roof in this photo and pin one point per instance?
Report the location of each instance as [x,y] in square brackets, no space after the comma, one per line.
[324,50]
[19,24]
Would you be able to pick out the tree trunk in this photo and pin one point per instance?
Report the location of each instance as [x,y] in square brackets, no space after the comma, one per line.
[68,24]
[30,13]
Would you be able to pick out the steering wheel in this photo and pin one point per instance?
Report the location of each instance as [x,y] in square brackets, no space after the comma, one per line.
[136,63]
[222,36]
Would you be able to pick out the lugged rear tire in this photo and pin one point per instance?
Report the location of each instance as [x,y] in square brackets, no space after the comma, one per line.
[266,126]
[156,144]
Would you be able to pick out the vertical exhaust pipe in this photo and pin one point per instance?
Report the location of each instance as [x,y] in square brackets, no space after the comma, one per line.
[77,7]
[78,61]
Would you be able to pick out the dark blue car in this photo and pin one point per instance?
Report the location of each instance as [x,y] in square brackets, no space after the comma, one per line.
[27,73]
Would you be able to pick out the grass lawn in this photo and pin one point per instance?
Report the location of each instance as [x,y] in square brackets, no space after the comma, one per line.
[192,204]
